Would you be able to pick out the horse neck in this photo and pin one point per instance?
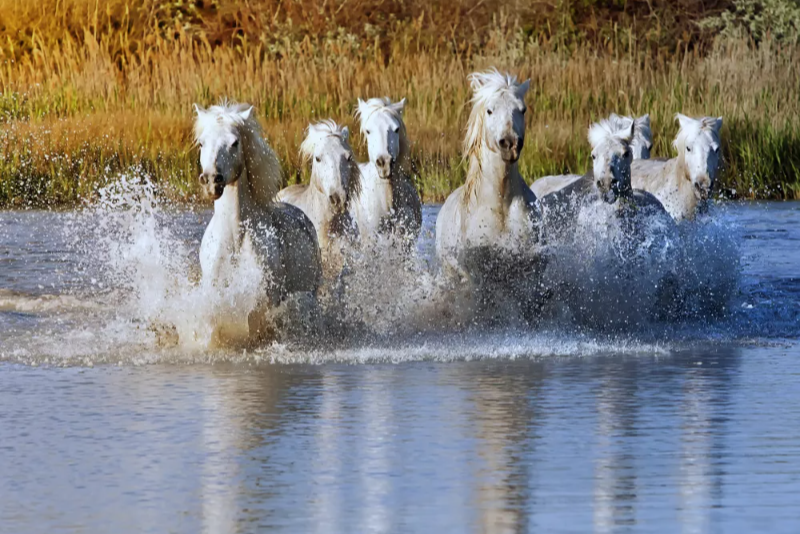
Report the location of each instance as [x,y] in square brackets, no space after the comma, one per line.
[232,209]
[319,207]
[260,162]
[401,174]
[679,180]
[490,179]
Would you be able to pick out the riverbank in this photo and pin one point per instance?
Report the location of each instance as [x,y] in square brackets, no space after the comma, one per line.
[77,111]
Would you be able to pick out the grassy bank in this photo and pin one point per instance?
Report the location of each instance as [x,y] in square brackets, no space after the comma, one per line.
[89,93]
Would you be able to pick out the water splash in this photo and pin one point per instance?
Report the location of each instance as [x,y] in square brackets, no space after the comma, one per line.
[143,302]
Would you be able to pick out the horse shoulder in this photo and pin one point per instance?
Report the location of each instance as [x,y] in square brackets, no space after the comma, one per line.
[409,199]
[300,260]
[650,174]
[652,207]
[292,194]
[448,221]
[550,184]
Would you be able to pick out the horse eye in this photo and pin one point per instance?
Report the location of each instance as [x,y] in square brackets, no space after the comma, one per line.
[235,144]
[349,157]
[524,110]
[318,159]
[397,129]
[627,154]
[688,149]
[368,132]
[594,157]
[489,111]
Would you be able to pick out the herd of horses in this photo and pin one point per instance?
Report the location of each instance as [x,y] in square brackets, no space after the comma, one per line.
[490,232]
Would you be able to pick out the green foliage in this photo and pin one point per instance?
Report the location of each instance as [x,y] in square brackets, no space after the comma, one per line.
[756,19]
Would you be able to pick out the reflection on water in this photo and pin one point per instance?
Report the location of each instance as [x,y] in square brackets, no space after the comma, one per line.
[551,430]
[692,442]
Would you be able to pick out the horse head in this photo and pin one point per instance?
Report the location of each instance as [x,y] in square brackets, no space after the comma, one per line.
[497,120]
[611,157]
[382,127]
[698,146]
[217,131]
[334,171]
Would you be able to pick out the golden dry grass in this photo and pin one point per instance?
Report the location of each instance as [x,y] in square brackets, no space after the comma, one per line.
[87,93]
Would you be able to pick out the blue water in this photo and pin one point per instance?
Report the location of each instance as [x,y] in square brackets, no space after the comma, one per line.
[692,430]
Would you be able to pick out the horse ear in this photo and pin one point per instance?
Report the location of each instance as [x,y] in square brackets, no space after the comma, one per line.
[523,88]
[362,107]
[644,120]
[630,131]
[475,81]
[198,109]
[718,124]
[345,133]
[245,114]
[399,106]
[683,120]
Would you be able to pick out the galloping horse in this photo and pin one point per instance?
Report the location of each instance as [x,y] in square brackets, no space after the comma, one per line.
[242,174]
[488,229]
[640,147]
[684,184]
[389,201]
[334,186]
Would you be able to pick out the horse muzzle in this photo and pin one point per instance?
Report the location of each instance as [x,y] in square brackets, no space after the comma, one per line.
[510,149]
[337,202]
[384,165]
[702,191]
[212,185]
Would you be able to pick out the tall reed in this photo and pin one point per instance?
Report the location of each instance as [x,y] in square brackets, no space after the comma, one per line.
[77,110]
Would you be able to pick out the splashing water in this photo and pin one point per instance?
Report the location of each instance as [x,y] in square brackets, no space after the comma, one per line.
[158,273]
[138,298]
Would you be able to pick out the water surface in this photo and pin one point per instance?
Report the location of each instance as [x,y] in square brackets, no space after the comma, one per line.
[691,429]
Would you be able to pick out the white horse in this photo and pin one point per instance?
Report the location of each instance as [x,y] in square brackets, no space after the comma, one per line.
[389,201]
[488,228]
[615,243]
[608,181]
[328,197]
[242,174]
[640,147]
[684,184]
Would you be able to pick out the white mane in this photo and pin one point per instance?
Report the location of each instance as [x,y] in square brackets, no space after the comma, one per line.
[485,85]
[608,129]
[263,167]
[375,105]
[319,131]
[706,126]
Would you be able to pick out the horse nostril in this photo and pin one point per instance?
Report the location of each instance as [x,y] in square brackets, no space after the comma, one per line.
[503,143]
[218,178]
[335,199]
[382,161]
[203,179]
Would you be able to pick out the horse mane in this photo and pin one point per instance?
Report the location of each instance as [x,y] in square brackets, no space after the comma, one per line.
[620,128]
[395,109]
[263,167]
[315,133]
[484,85]
[704,126]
